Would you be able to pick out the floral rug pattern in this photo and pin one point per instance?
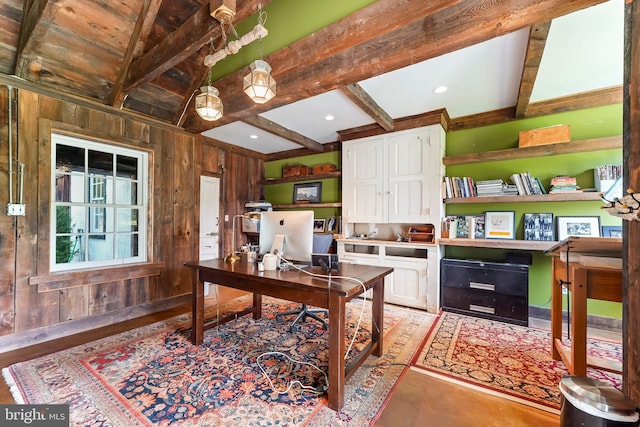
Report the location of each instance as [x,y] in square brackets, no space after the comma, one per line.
[154,376]
[509,359]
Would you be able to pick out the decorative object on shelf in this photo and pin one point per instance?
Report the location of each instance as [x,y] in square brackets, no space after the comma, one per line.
[324,168]
[582,226]
[546,135]
[259,84]
[318,225]
[310,192]
[233,257]
[611,231]
[606,177]
[500,224]
[627,207]
[538,226]
[295,169]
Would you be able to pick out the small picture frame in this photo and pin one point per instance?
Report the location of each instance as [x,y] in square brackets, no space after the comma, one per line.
[310,192]
[499,225]
[538,226]
[331,224]
[578,226]
[318,225]
[612,231]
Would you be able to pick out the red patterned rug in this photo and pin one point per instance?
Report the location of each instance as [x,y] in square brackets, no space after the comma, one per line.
[154,376]
[509,360]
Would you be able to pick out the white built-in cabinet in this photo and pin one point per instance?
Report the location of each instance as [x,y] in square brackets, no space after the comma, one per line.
[393,178]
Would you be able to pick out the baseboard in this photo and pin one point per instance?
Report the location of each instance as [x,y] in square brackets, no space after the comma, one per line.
[593,321]
[47,333]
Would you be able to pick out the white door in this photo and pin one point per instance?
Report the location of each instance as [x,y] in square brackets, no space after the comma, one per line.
[407,285]
[363,180]
[209,219]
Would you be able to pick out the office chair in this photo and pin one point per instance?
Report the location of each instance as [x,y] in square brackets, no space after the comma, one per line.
[321,244]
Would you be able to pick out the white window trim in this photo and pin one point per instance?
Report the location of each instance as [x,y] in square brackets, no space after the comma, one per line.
[143,206]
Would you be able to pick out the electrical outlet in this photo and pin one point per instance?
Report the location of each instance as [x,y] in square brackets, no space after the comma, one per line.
[15,209]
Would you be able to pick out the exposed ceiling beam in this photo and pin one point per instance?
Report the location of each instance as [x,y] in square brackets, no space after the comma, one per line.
[147,16]
[410,122]
[595,98]
[535,48]
[185,41]
[275,129]
[363,100]
[460,25]
[31,32]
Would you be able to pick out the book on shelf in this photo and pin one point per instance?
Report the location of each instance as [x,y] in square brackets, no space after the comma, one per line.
[459,186]
[527,184]
[564,184]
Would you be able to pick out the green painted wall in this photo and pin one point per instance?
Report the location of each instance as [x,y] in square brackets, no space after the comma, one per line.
[282,194]
[585,124]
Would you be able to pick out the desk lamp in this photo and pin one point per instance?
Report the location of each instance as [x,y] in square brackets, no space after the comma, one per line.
[233,257]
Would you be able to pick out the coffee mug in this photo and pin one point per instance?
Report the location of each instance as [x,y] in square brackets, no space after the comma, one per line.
[270,261]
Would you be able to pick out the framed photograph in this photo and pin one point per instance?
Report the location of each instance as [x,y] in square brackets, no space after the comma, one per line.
[499,225]
[318,225]
[538,226]
[310,192]
[331,224]
[581,226]
[612,231]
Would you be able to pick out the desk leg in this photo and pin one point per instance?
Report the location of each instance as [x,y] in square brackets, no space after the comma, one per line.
[337,350]
[197,310]
[377,332]
[556,308]
[579,323]
[257,306]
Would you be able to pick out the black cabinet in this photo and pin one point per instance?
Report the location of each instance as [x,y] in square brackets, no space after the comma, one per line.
[491,290]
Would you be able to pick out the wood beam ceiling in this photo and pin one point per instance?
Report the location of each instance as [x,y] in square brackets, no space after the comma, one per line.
[342,60]
[535,48]
[358,96]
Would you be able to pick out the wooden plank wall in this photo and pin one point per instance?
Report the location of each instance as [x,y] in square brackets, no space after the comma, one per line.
[36,305]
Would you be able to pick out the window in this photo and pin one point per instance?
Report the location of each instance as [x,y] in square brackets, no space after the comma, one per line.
[99,204]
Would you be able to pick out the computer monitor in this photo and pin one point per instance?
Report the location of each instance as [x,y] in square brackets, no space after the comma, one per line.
[297,229]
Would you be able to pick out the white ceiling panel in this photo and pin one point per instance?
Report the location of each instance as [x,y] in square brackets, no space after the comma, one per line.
[480,78]
[307,117]
[584,52]
[239,133]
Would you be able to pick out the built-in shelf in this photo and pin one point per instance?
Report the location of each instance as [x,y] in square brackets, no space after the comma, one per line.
[528,245]
[596,144]
[308,205]
[299,178]
[556,197]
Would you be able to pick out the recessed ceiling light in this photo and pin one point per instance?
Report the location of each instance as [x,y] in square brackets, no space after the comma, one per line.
[253,136]
[440,89]
[329,117]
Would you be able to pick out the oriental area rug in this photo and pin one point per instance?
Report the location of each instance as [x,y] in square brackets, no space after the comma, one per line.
[503,359]
[154,376]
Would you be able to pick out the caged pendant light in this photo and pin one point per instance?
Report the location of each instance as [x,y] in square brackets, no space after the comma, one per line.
[259,84]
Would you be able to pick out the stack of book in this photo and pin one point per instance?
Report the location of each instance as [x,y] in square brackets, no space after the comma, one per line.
[527,184]
[564,184]
[490,187]
[459,187]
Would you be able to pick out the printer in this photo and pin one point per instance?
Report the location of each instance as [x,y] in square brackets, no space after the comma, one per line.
[251,219]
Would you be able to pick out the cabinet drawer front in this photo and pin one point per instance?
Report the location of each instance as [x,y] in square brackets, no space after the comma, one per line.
[511,281]
[482,302]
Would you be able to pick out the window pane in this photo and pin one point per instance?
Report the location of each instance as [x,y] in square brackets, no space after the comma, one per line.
[127,220]
[69,159]
[100,163]
[67,249]
[126,192]
[70,219]
[127,245]
[127,167]
[69,188]
[100,247]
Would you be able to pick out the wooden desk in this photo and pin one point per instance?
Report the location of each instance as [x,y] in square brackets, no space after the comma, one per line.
[601,280]
[296,286]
